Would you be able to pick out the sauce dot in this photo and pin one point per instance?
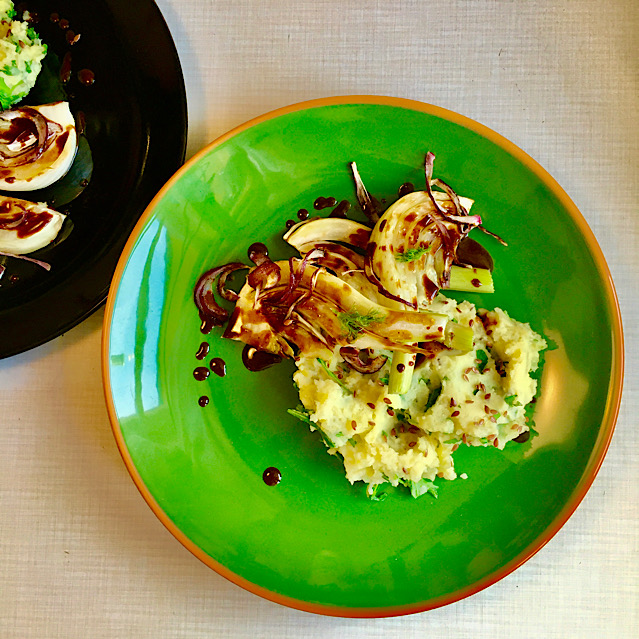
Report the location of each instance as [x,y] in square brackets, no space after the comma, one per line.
[86,77]
[302,214]
[201,373]
[218,366]
[272,476]
[202,351]
[203,401]
[324,203]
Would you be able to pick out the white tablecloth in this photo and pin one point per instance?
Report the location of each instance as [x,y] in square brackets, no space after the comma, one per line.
[81,555]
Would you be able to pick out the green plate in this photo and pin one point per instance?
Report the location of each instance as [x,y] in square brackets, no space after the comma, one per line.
[313,541]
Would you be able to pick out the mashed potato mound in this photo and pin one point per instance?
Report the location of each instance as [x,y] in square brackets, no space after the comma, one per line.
[476,398]
[21,55]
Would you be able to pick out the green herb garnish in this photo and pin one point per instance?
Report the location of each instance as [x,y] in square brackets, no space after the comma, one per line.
[423,487]
[412,254]
[432,397]
[511,400]
[403,415]
[334,377]
[482,357]
[353,322]
[299,412]
[374,494]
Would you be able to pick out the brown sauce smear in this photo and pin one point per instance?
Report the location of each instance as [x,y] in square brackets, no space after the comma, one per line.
[256,361]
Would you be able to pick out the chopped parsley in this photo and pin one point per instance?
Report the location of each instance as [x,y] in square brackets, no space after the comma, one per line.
[511,400]
[403,415]
[433,396]
[482,359]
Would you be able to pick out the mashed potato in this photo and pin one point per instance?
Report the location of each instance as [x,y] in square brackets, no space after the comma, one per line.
[476,398]
[21,55]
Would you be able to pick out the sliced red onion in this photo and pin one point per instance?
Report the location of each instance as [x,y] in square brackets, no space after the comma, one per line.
[210,311]
[295,276]
[265,276]
[471,220]
[353,357]
[499,239]
[366,201]
[429,163]
[45,265]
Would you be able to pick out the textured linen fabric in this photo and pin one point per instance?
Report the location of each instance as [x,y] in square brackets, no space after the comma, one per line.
[82,556]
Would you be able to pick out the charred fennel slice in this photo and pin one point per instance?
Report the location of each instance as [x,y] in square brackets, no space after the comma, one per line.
[356,309]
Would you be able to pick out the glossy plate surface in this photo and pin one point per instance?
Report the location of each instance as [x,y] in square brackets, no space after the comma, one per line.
[133,118]
[314,541]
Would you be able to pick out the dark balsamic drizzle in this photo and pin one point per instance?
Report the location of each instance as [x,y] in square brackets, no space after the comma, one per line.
[524,437]
[86,77]
[218,366]
[203,351]
[256,361]
[405,189]
[324,203]
[201,373]
[341,209]
[272,476]
[257,252]
[65,68]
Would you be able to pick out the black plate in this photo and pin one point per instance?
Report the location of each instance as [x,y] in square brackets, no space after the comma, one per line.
[134,139]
